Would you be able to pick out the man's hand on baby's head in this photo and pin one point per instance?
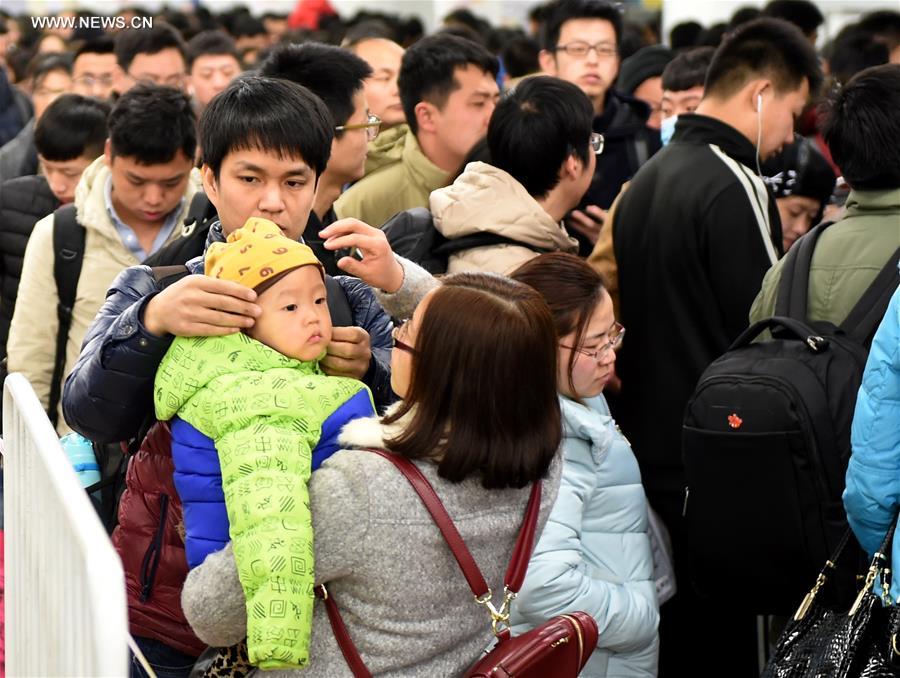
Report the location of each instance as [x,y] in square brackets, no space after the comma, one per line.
[349,353]
[200,306]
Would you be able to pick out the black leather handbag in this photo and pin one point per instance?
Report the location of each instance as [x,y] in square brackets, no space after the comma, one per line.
[819,642]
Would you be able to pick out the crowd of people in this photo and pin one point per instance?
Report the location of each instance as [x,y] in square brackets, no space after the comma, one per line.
[248,250]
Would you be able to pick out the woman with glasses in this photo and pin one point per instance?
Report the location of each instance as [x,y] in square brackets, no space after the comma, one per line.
[482,425]
[595,553]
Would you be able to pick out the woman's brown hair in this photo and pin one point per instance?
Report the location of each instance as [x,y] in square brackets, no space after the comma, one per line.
[572,290]
[482,387]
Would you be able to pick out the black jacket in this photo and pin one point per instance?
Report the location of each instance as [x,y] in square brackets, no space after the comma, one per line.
[23,202]
[689,242]
[629,143]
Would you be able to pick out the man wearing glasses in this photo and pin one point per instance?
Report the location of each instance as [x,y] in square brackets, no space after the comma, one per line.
[580,44]
[153,56]
[337,77]
[94,69]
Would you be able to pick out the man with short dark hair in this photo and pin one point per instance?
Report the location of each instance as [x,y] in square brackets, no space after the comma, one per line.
[129,202]
[69,136]
[542,154]
[265,143]
[94,68]
[580,43]
[212,64]
[694,235]
[156,56]
[337,77]
[448,89]
[802,13]
[862,130]
[50,76]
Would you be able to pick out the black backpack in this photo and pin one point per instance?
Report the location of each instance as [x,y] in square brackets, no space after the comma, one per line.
[766,442]
[413,236]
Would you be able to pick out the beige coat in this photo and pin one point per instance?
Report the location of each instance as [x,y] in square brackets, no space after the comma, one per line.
[32,335]
[484,199]
[399,177]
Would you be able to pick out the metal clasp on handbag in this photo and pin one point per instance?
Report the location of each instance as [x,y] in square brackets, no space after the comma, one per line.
[808,599]
[499,618]
[874,569]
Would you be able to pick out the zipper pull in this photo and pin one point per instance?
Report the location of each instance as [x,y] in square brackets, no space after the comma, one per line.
[687,493]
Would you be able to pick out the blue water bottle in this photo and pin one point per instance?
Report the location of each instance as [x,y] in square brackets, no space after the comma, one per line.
[81,455]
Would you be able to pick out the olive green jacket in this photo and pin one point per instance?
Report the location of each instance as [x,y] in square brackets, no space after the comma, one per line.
[846,260]
[404,179]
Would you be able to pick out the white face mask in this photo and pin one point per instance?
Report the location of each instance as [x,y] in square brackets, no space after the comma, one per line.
[667,129]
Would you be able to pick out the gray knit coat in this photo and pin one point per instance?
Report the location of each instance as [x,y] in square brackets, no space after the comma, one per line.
[402,596]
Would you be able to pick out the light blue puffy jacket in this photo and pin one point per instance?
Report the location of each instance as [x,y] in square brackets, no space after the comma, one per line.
[594,554]
[872,495]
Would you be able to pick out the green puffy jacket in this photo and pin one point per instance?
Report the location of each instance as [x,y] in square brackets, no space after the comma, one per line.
[265,412]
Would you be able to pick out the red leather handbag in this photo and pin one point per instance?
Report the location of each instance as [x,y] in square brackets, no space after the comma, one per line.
[559,647]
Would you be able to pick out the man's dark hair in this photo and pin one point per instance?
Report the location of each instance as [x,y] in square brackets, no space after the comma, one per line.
[44,64]
[367,30]
[884,25]
[72,126]
[765,47]
[562,11]
[685,35]
[211,43]
[520,56]
[688,69]
[855,52]
[131,42]
[151,124]
[246,26]
[270,115]
[862,129]
[101,45]
[427,72]
[535,127]
[743,15]
[333,74]
[802,13]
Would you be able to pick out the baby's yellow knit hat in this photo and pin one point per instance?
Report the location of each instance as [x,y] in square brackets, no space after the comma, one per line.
[256,253]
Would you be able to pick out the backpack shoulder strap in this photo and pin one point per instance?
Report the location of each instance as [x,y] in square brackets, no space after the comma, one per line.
[793,288]
[338,303]
[167,275]
[198,212]
[68,255]
[864,318]
[468,242]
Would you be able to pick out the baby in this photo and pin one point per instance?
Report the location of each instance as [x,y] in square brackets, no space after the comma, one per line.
[273,416]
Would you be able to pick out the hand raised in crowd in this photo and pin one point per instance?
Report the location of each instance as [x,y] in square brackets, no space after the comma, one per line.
[201,306]
[587,222]
[349,353]
[378,267]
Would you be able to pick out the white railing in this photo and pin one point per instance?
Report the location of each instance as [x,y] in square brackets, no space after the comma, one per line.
[66,611]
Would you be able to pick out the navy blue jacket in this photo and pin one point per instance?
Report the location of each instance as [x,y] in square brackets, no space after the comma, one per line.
[109,394]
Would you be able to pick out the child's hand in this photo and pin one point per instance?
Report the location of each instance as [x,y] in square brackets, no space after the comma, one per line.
[200,306]
[378,267]
[349,353]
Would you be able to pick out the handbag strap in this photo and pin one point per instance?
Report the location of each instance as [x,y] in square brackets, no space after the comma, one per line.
[342,636]
[518,564]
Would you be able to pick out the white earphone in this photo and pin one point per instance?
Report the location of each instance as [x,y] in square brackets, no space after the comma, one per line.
[759,103]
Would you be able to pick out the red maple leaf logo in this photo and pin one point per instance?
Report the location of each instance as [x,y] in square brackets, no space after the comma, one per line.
[735,421]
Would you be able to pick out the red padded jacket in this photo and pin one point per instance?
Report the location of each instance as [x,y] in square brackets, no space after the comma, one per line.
[149,540]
